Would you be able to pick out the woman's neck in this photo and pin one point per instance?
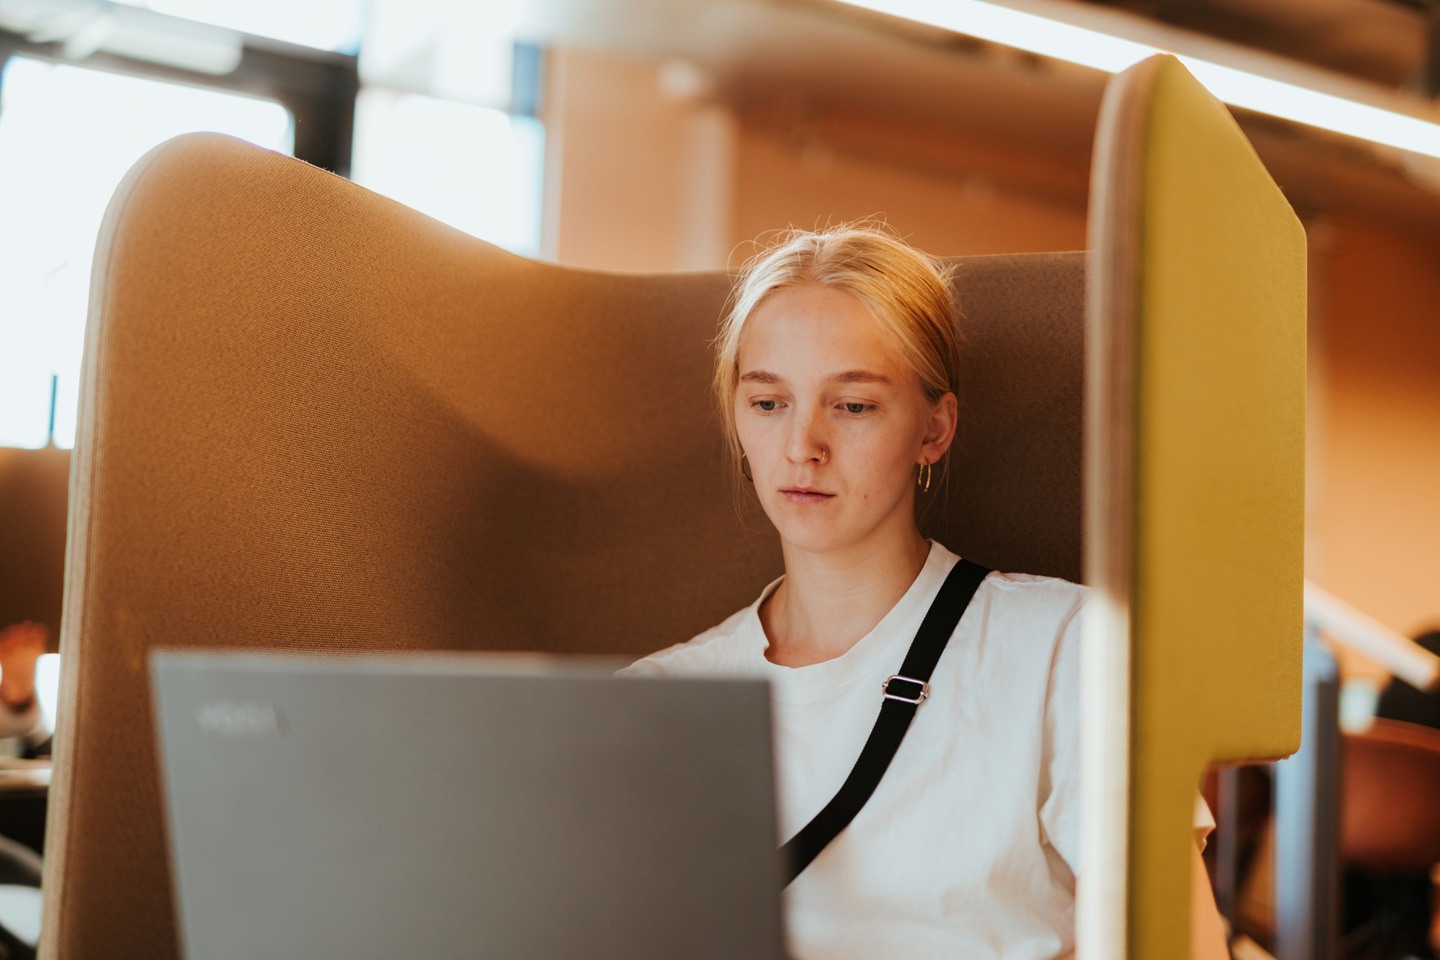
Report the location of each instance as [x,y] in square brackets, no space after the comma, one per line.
[829,601]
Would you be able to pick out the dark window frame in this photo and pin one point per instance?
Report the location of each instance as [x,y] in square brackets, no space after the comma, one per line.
[318,87]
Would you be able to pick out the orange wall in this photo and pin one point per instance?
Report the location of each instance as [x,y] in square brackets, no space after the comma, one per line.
[780,183]
[1378,517]
[643,179]
[613,178]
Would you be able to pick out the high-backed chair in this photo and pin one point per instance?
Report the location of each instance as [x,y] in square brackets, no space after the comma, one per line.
[313,418]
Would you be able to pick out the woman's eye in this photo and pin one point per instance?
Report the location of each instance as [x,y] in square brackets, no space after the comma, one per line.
[855,407]
[766,405]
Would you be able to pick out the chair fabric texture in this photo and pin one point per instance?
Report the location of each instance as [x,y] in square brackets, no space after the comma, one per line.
[1197,444]
[313,419]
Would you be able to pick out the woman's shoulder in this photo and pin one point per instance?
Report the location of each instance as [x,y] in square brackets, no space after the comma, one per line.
[1033,589]
[1031,593]
[1034,605]
[718,650]
[1030,634]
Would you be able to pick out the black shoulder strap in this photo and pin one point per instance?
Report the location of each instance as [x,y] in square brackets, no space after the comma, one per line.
[903,694]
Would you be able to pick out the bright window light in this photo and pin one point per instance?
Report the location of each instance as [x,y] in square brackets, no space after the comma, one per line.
[47,687]
[1103,51]
[325,24]
[67,136]
[453,49]
[473,167]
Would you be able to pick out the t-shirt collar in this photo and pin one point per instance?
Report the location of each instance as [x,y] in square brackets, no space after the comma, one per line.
[889,639]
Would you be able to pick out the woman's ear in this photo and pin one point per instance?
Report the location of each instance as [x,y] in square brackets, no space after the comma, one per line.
[940,430]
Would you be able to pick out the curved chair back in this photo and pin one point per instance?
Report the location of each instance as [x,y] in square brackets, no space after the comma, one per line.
[1389,782]
[312,418]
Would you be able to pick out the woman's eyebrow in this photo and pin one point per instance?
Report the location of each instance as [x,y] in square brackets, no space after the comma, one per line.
[860,376]
[761,376]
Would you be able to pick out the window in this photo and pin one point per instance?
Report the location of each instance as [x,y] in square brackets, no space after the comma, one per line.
[444,124]
[473,167]
[67,136]
[322,24]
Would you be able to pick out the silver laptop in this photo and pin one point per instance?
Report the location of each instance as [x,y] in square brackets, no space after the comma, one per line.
[476,806]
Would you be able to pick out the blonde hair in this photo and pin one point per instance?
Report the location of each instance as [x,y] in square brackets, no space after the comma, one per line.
[906,290]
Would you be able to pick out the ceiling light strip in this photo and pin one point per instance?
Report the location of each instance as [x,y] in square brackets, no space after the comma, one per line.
[1054,36]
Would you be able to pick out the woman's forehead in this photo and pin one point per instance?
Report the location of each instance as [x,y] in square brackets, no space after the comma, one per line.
[815,331]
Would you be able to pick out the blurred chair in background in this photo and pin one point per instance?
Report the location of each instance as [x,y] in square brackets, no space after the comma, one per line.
[1382,766]
[34,498]
[1390,825]
[34,492]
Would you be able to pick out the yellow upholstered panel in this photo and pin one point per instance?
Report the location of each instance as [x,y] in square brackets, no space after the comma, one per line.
[1217,571]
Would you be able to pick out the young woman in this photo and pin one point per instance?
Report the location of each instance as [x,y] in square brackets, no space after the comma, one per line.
[836,372]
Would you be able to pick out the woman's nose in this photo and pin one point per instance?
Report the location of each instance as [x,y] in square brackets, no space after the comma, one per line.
[807,438]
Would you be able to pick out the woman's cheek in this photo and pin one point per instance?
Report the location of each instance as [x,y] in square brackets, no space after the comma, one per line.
[880,454]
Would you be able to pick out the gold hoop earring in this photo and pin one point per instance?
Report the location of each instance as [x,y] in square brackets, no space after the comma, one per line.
[922,479]
[745,469]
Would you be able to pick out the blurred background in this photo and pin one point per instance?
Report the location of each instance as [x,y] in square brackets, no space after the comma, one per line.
[659,135]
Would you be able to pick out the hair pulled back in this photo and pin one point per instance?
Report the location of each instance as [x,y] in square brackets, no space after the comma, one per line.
[906,290]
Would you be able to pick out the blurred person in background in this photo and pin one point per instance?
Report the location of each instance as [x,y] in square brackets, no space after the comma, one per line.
[21,646]
[1401,701]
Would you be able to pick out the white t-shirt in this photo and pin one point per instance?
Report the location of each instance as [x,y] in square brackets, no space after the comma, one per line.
[968,848]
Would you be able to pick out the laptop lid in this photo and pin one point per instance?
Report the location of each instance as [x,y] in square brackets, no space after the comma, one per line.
[465,805]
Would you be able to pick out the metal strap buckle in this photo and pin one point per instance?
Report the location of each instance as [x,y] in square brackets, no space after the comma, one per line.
[917,694]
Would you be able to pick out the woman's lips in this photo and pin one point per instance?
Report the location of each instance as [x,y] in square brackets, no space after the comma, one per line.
[804,495]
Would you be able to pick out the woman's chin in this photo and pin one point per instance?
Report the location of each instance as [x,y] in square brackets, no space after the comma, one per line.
[825,529]
[814,535]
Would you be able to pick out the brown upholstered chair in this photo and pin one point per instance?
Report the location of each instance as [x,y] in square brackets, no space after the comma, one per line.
[1390,797]
[313,418]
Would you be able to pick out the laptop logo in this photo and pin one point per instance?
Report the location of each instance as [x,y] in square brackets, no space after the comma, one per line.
[234,720]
